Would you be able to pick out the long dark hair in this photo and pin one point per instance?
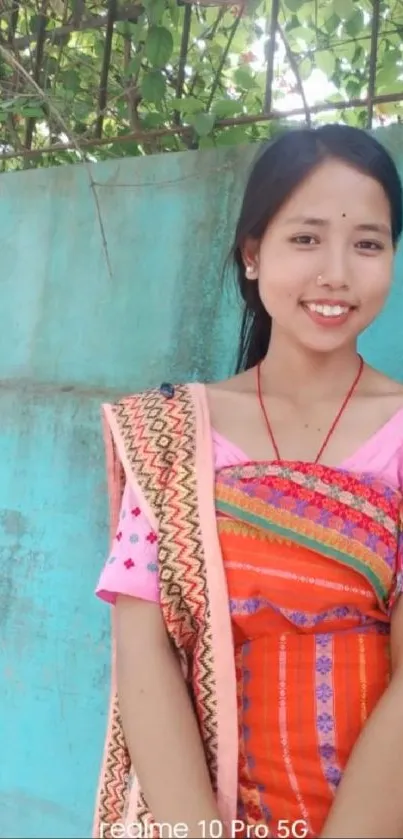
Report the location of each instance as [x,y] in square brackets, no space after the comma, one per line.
[278,170]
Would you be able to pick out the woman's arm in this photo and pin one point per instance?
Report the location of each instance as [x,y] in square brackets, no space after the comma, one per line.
[158,720]
[369,800]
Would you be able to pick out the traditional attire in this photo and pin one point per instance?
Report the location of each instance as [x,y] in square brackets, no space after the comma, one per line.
[276,582]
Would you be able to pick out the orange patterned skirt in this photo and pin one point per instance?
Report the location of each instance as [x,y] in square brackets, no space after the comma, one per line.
[312,570]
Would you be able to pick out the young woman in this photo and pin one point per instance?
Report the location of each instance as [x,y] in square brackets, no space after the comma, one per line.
[256,564]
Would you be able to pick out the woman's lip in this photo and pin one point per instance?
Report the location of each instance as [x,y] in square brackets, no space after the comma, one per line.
[328,303]
[329,321]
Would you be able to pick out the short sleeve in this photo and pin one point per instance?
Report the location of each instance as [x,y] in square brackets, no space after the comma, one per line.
[131,567]
[397,587]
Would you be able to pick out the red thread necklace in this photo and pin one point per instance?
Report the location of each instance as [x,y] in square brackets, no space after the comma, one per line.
[334,424]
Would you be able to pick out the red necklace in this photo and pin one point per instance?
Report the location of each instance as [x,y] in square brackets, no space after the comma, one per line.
[334,424]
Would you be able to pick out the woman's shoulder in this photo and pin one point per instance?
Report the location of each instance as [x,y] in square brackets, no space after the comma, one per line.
[384,393]
[385,385]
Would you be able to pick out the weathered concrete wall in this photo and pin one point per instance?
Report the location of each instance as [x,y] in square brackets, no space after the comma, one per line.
[71,335]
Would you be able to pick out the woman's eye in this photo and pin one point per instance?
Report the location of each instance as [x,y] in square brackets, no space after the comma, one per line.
[304,239]
[369,245]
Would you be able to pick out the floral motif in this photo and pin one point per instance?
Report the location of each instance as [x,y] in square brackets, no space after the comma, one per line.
[333,774]
[323,639]
[153,567]
[129,564]
[324,692]
[326,751]
[324,665]
[325,723]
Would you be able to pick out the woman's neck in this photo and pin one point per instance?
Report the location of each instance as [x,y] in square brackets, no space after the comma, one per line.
[301,376]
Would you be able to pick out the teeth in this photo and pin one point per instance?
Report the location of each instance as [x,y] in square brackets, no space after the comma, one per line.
[328,311]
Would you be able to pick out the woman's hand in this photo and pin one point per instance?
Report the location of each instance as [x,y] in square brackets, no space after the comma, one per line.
[159,722]
[369,800]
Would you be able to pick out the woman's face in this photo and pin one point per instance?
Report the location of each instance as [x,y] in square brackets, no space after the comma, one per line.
[324,264]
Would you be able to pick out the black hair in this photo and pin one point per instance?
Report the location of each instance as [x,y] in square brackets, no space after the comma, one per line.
[278,170]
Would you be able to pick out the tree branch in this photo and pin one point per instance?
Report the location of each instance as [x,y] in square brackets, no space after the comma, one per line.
[216,80]
[295,69]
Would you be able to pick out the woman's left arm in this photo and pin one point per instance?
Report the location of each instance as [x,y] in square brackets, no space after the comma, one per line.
[369,800]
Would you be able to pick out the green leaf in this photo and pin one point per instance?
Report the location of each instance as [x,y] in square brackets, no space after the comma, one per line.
[353,88]
[345,9]
[305,68]
[302,33]
[394,86]
[155,10]
[206,143]
[235,136]
[82,110]
[154,120]
[71,80]
[51,65]
[153,86]
[34,22]
[159,46]
[187,105]
[358,54]
[293,5]
[174,13]
[292,23]
[203,124]
[136,33]
[244,79]
[227,108]
[325,61]
[331,23]
[348,51]
[390,68]
[28,111]
[354,26]
[133,66]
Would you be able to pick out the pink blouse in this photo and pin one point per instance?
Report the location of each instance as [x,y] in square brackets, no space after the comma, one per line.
[131,567]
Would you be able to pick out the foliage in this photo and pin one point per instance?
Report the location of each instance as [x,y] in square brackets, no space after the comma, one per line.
[53,54]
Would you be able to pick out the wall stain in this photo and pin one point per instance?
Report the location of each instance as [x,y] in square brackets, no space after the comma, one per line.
[13,522]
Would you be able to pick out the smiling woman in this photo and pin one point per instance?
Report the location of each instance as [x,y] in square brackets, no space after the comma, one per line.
[256,567]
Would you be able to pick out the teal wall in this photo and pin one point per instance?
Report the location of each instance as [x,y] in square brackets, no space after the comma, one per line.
[72,334]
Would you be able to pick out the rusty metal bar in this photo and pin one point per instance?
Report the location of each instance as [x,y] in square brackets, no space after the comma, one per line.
[103,86]
[40,42]
[373,60]
[146,136]
[187,20]
[271,48]
[126,13]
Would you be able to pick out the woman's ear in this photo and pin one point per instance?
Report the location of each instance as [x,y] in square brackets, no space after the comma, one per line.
[250,256]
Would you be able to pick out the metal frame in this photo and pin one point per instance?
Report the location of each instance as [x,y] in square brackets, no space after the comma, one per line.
[10,47]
